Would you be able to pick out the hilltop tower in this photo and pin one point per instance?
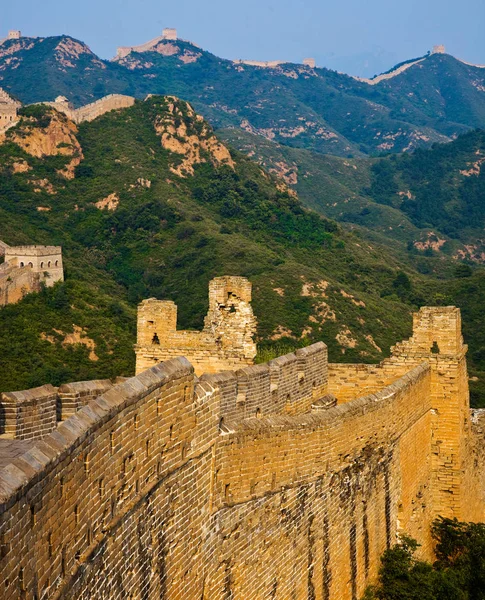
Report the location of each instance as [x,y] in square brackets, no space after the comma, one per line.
[439,49]
[169,33]
[309,62]
[226,342]
[14,34]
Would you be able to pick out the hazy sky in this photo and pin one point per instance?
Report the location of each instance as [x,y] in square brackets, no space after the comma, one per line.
[351,35]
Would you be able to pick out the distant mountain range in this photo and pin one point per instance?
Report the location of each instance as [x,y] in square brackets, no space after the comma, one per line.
[427,100]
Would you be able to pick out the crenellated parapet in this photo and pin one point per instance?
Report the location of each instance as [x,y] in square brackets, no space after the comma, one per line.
[239,483]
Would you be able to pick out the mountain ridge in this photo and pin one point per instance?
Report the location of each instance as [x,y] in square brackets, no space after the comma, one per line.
[297,105]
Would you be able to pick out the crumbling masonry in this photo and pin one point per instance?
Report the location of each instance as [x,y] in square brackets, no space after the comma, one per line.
[226,341]
[283,480]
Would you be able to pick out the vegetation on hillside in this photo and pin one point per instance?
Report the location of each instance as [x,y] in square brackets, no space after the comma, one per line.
[457,574]
[170,230]
[166,237]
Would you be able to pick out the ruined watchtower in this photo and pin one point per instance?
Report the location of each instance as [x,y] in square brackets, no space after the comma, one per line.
[226,342]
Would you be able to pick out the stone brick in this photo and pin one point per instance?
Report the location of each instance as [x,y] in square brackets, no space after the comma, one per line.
[233,485]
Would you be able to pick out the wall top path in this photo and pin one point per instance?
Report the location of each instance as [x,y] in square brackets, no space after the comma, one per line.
[16,478]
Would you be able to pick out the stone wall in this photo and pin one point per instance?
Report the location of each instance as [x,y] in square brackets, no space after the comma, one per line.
[349,381]
[142,492]
[3,247]
[73,396]
[8,110]
[172,487]
[28,415]
[89,112]
[15,282]
[289,384]
[226,342]
[26,268]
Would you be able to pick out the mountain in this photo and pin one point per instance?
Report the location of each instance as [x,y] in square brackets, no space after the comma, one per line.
[428,201]
[426,100]
[148,202]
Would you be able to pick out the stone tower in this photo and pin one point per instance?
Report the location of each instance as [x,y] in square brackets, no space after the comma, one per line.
[225,343]
[309,62]
[169,33]
[437,339]
[44,260]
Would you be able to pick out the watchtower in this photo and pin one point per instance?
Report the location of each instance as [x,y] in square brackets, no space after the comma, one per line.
[8,110]
[169,33]
[14,34]
[437,339]
[309,62]
[44,260]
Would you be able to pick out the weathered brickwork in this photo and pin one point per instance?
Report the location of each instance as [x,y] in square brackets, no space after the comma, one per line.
[73,396]
[240,485]
[226,342]
[28,415]
[26,268]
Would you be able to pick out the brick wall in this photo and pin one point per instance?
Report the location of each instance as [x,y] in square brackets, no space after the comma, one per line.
[287,385]
[173,487]
[15,282]
[89,112]
[145,492]
[28,415]
[73,396]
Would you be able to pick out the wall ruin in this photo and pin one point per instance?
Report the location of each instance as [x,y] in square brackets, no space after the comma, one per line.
[238,485]
[226,342]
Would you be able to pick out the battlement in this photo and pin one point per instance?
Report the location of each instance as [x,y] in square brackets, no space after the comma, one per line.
[226,342]
[225,485]
[27,251]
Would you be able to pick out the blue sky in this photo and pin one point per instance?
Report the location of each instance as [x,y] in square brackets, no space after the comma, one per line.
[357,36]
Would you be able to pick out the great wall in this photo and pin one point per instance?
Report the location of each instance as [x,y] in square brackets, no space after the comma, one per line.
[208,477]
[26,268]
[282,480]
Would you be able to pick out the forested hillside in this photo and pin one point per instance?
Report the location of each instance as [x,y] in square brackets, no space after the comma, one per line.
[147,202]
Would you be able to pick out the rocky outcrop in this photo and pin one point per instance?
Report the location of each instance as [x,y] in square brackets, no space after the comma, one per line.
[184,133]
[57,138]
